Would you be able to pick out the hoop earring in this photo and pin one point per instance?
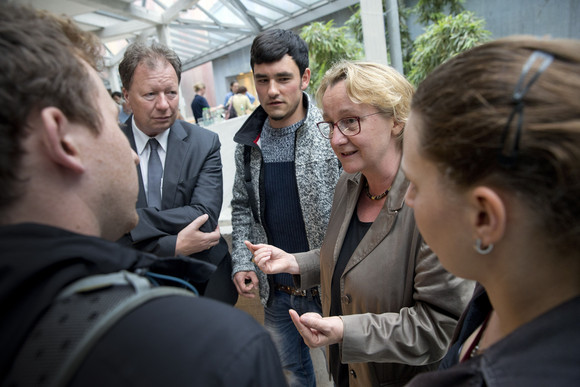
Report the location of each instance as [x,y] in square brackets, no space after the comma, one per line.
[481,250]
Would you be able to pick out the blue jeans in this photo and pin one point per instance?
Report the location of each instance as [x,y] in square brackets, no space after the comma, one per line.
[294,353]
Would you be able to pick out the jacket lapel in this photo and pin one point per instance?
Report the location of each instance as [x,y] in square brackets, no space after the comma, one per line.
[175,155]
[353,191]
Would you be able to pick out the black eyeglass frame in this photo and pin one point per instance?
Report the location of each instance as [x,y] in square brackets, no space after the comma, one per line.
[337,124]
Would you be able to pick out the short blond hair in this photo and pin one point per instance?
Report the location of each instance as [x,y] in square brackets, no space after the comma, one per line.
[375,84]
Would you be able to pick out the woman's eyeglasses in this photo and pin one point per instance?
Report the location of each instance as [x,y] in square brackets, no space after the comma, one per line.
[349,126]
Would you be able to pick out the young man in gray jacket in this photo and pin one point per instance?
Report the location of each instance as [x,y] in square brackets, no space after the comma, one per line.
[283,189]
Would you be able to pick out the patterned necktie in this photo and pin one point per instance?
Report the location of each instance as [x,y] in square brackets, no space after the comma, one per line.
[154,173]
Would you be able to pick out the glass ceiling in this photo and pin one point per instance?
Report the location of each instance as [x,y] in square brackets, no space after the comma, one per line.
[198,30]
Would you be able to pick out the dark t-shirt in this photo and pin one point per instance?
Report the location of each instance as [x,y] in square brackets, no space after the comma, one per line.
[355,233]
[197,106]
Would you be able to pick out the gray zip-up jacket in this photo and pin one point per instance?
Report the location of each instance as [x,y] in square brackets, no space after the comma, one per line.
[317,172]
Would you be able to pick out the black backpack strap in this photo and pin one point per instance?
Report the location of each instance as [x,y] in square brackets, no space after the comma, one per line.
[80,315]
[248,182]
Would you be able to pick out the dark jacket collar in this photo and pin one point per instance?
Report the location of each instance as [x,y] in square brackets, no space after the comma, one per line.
[252,127]
[39,261]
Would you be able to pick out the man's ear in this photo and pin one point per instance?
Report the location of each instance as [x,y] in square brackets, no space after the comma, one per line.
[489,215]
[305,79]
[59,141]
[125,94]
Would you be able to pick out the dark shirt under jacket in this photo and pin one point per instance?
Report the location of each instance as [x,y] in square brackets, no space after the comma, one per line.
[282,212]
[355,234]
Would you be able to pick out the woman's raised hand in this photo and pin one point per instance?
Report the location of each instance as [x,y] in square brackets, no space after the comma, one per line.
[272,260]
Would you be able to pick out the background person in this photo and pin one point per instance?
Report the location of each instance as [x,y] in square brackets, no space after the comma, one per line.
[234,89]
[391,304]
[241,102]
[179,206]
[494,146]
[69,187]
[199,102]
[124,109]
[285,177]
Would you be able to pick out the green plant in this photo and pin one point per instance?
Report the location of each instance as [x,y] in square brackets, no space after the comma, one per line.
[432,10]
[444,39]
[328,44]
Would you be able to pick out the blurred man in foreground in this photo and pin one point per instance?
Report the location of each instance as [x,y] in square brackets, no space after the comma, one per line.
[69,187]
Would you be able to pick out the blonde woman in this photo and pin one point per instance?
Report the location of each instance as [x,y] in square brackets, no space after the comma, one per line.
[391,307]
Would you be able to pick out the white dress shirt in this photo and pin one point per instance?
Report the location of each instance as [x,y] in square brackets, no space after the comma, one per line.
[141,140]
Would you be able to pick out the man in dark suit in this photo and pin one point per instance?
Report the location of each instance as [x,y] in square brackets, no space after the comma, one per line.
[180,170]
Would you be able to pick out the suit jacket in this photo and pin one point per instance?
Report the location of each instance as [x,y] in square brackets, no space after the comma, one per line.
[192,186]
[399,305]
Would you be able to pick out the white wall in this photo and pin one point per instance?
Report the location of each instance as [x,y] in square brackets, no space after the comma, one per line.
[226,131]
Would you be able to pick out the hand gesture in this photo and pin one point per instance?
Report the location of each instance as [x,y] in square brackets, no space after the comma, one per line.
[246,282]
[318,331]
[272,260]
[191,240]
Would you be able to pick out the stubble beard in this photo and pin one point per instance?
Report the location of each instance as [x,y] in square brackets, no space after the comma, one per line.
[289,113]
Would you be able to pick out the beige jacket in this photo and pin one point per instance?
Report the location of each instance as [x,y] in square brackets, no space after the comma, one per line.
[242,104]
[400,306]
